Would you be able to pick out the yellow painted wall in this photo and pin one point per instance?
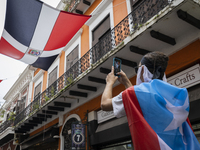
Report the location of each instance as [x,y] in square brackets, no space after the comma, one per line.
[32,92]
[119,10]
[85,34]
[44,81]
[37,70]
[62,64]
[92,7]
[85,40]
[184,58]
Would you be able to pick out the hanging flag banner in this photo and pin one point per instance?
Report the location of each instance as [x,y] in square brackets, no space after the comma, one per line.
[78,136]
[37,38]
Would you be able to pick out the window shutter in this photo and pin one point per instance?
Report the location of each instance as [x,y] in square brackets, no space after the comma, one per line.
[72,58]
[52,76]
[37,90]
[100,30]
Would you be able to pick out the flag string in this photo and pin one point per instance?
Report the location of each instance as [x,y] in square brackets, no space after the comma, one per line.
[8,78]
[97,13]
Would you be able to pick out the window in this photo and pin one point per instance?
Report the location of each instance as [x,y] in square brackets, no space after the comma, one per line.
[23,100]
[100,30]
[101,39]
[52,76]
[37,90]
[67,133]
[21,105]
[134,3]
[72,58]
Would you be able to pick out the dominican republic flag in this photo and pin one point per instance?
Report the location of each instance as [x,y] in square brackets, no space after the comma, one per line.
[157,115]
[35,33]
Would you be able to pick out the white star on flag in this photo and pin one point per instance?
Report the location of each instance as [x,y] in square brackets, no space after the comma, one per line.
[180,114]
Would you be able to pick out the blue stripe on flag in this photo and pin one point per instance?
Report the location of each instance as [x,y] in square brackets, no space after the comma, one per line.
[44,62]
[21,19]
[166,110]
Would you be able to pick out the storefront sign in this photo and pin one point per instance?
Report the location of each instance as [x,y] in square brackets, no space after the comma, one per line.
[104,116]
[78,136]
[186,78]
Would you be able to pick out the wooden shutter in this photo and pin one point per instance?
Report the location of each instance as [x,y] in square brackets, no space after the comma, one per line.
[100,30]
[37,90]
[52,76]
[134,3]
[72,58]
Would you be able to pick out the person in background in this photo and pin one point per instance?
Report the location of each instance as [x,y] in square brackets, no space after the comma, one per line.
[157,112]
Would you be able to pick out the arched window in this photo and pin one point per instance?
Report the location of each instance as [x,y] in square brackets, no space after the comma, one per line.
[66,133]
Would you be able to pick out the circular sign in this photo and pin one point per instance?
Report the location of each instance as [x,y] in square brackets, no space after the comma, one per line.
[78,138]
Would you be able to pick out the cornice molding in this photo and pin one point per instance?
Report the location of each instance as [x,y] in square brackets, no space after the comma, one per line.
[97,10]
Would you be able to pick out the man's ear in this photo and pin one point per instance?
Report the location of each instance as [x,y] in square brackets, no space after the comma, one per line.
[157,73]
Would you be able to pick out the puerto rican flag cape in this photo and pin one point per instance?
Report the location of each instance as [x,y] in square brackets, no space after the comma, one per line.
[36,33]
[157,116]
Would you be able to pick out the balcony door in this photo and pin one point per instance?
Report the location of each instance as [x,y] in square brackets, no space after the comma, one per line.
[101,39]
[37,90]
[72,64]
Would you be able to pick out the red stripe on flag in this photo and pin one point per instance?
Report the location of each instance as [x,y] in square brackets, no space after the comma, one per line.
[143,136]
[1,81]
[8,50]
[65,28]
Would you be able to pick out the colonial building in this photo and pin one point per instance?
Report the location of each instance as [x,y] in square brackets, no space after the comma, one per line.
[60,108]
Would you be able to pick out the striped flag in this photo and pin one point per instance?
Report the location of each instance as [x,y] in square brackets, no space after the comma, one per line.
[157,115]
[36,33]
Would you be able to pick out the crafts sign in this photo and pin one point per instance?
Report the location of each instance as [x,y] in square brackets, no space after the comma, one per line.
[78,137]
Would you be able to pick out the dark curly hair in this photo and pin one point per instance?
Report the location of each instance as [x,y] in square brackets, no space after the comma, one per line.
[156,62]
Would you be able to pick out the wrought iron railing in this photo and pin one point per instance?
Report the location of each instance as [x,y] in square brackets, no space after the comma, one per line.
[6,124]
[137,18]
[70,5]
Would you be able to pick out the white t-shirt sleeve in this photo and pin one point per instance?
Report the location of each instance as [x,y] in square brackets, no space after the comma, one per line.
[118,106]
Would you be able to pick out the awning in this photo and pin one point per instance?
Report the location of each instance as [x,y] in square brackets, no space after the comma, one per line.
[115,130]
[44,136]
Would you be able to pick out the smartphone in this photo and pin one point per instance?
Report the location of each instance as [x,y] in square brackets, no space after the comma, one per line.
[117,65]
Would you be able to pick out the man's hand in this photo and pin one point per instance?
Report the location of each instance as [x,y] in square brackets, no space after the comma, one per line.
[106,99]
[111,78]
[123,79]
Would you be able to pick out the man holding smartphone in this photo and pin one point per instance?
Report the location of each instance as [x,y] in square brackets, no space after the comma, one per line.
[117,65]
[156,111]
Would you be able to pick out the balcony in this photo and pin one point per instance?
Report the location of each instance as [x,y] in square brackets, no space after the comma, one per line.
[159,25]
[77,6]
[6,130]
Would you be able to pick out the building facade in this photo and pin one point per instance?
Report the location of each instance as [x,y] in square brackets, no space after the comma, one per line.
[60,108]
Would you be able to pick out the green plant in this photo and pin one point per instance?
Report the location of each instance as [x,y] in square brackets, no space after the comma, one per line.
[46,98]
[135,26]
[156,16]
[69,79]
[66,7]
[140,25]
[36,105]
[52,91]
[12,116]
[147,23]
[2,113]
